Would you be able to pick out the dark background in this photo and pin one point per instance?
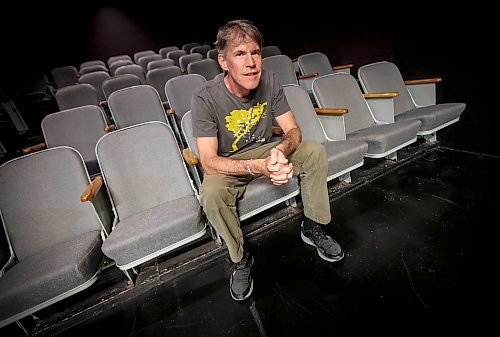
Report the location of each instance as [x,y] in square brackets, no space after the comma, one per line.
[424,41]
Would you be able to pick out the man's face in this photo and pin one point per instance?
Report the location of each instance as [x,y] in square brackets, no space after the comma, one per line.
[243,62]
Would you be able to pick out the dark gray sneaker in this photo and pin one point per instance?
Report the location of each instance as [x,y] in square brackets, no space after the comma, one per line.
[328,248]
[241,283]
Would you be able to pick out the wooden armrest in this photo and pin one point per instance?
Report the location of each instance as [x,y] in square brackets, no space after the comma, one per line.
[344,66]
[189,157]
[331,111]
[381,95]
[295,59]
[91,190]
[170,111]
[301,77]
[109,128]
[424,80]
[34,148]
[277,130]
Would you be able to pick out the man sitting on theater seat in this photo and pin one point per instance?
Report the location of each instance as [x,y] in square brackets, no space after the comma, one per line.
[232,123]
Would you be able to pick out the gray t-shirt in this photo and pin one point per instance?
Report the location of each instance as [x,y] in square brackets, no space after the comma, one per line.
[240,124]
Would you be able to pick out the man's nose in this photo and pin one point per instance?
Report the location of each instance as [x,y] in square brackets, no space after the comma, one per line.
[250,61]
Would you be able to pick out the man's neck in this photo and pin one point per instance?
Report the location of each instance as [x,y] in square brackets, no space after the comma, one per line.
[230,85]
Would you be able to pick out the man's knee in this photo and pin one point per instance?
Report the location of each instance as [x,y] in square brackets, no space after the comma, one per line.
[314,152]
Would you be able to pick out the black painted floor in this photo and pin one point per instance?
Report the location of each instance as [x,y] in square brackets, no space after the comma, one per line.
[420,258]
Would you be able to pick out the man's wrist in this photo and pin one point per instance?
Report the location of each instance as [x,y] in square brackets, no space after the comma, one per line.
[247,166]
[279,149]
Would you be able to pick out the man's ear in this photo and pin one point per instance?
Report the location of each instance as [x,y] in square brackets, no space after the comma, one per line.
[222,61]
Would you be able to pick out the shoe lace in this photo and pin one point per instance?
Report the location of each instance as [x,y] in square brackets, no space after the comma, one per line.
[321,239]
[318,234]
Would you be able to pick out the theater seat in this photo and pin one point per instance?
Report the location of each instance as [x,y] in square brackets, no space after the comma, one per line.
[416,100]
[55,240]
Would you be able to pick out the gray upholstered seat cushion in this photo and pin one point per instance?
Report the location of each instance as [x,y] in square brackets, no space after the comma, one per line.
[261,192]
[344,154]
[153,229]
[384,137]
[49,273]
[434,115]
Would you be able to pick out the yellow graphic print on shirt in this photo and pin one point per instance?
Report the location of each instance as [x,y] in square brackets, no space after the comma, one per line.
[240,122]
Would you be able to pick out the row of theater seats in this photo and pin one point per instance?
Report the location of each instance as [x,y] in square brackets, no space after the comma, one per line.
[58,241]
[199,59]
[152,193]
[337,90]
[149,68]
[379,94]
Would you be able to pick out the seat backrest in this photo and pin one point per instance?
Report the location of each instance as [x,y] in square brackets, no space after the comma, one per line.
[306,117]
[117,64]
[40,200]
[342,91]
[385,77]
[158,77]
[270,51]
[142,53]
[79,128]
[134,69]
[314,63]
[115,83]
[213,54]
[163,63]
[164,51]
[142,167]
[207,68]
[184,60]
[113,59]
[64,76]
[282,66]
[203,49]
[76,95]
[187,46]
[144,60]
[175,54]
[95,79]
[135,105]
[92,68]
[91,63]
[179,91]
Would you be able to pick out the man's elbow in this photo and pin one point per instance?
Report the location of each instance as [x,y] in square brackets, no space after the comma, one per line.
[297,133]
[207,168]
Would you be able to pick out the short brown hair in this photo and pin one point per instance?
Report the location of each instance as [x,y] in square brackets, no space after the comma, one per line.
[237,30]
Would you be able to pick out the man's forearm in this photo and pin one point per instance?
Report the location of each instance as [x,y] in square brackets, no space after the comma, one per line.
[223,165]
[291,140]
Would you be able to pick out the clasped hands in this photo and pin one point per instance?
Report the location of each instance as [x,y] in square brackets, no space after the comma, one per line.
[279,170]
